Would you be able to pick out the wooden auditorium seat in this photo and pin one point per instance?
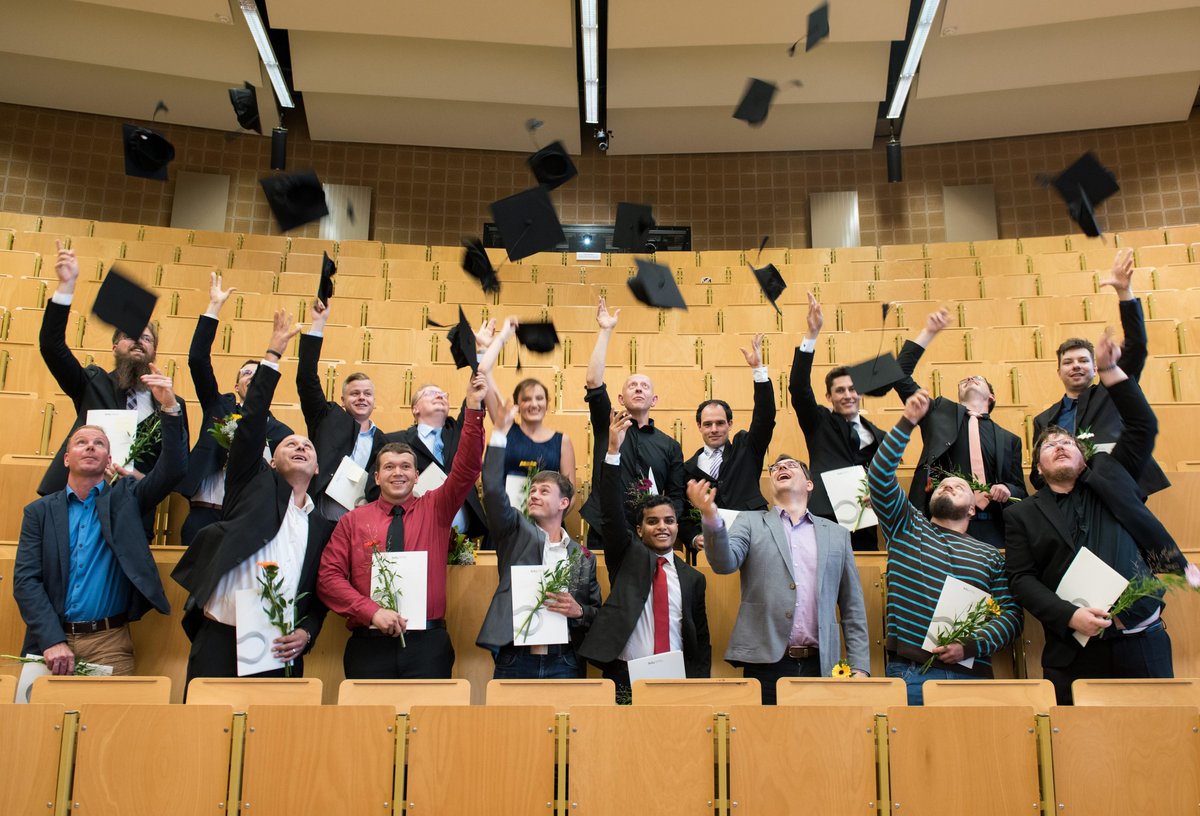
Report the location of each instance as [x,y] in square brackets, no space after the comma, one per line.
[243,692]
[41,242]
[510,751]
[834,745]
[1118,760]
[320,759]
[1053,262]
[891,252]
[31,745]
[877,693]
[410,252]
[862,253]
[1036,693]
[719,692]
[1141,238]
[359,249]
[1001,265]
[616,755]
[20,222]
[996,246]
[1178,691]
[211,238]
[562,694]
[404,694]
[220,257]
[314,246]
[1043,244]
[77,691]
[266,243]
[953,759]
[132,759]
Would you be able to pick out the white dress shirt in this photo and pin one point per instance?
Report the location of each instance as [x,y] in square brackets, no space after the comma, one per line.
[287,549]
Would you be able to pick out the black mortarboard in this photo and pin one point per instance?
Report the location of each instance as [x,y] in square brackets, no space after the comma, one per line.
[818,26]
[634,222]
[875,377]
[478,265]
[325,287]
[1085,185]
[552,167]
[756,101]
[527,223]
[295,198]
[147,152]
[123,304]
[245,107]
[771,282]
[540,338]
[654,286]
[462,344]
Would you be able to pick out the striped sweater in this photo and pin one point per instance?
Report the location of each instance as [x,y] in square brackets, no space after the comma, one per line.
[921,555]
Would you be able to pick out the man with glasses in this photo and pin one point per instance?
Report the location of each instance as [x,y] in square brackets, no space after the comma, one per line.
[799,583]
[961,439]
[91,387]
[1095,504]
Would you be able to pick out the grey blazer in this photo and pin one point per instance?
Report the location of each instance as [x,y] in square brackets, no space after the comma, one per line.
[757,546]
[519,541]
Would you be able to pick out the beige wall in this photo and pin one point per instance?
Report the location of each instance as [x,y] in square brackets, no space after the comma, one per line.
[60,163]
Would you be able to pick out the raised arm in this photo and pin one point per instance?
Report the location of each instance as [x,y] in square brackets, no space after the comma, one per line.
[52,339]
[308,381]
[1136,443]
[464,470]
[612,504]
[1133,322]
[804,401]
[503,518]
[245,449]
[606,323]
[726,551]
[762,420]
[171,464]
[493,342]
[911,353]
[887,498]
[208,393]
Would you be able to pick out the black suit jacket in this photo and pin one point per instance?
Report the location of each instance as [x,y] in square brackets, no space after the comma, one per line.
[1096,411]
[41,574]
[631,565]
[89,387]
[451,431]
[256,500]
[942,426]
[332,431]
[742,457]
[1040,543]
[207,456]
[832,442]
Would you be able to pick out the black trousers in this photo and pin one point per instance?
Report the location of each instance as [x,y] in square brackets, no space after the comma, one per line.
[1146,654]
[197,519]
[372,655]
[214,654]
[768,674]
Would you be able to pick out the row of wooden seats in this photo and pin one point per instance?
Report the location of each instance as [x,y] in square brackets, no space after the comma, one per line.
[864,751]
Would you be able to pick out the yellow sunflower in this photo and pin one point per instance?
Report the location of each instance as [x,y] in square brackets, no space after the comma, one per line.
[841,670]
[994,609]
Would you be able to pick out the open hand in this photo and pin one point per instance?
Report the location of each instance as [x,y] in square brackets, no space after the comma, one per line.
[604,319]
[753,354]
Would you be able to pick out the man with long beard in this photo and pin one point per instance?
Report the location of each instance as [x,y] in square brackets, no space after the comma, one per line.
[922,554]
[91,387]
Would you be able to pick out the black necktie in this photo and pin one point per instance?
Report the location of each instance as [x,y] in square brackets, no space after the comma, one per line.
[395,534]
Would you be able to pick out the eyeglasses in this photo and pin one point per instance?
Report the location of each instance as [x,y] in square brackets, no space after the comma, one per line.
[966,380]
[786,464]
[433,393]
[1054,444]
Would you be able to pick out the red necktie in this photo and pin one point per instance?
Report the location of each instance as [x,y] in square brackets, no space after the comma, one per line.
[662,616]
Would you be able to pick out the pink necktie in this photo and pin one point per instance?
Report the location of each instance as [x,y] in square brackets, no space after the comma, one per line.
[975,450]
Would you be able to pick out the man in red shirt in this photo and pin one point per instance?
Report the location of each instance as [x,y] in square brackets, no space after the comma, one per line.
[404,523]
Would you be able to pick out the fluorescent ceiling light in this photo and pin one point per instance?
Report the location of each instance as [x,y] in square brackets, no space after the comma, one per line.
[912,59]
[266,53]
[589,33]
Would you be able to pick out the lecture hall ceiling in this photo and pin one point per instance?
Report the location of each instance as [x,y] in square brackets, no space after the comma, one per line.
[469,73]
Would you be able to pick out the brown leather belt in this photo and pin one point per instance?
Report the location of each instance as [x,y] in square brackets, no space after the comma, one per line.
[802,652]
[205,505]
[94,626]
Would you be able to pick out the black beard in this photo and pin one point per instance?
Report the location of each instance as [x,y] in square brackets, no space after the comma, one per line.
[128,373]
[942,507]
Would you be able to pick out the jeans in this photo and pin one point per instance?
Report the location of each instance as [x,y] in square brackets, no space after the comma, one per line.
[910,673]
[516,663]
